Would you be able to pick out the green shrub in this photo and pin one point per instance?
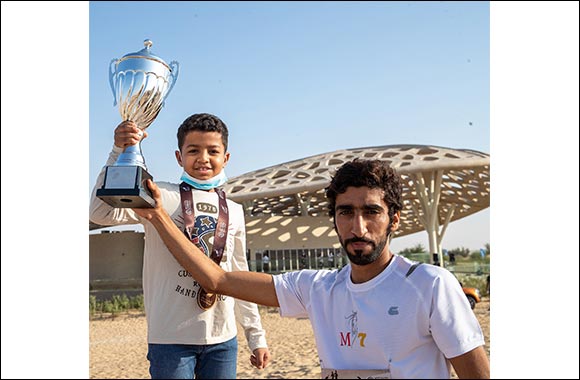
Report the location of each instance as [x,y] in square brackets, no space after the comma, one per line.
[92,304]
[116,305]
[473,281]
[121,302]
[138,302]
[108,306]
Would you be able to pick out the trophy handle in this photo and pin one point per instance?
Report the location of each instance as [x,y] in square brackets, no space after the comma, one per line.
[174,73]
[111,81]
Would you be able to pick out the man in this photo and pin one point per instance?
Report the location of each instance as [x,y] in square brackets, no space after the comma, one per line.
[379,316]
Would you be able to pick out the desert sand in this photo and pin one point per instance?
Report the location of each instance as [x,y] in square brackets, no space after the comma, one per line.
[118,346]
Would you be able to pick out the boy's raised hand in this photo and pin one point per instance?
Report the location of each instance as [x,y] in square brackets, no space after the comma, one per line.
[127,133]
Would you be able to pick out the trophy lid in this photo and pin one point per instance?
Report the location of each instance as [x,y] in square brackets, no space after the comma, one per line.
[145,53]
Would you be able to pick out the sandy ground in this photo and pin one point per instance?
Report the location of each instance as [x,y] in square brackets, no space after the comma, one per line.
[118,347]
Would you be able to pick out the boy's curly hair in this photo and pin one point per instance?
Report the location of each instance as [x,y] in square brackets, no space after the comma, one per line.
[203,122]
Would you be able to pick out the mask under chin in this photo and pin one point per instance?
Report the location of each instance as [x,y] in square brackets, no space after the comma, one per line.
[206,184]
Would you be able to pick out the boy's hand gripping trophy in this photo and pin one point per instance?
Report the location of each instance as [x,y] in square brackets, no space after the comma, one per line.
[140,82]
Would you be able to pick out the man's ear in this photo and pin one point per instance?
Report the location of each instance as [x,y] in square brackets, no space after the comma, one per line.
[178,158]
[396,221]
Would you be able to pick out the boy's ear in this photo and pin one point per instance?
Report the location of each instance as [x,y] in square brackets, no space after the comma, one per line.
[178,157]
[227,158]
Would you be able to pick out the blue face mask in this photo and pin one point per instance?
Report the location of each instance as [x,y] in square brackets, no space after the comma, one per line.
[206,184]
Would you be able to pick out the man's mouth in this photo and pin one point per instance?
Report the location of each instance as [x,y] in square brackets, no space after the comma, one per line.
[359,245]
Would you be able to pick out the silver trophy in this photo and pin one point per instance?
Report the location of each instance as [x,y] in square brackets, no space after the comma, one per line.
[140,83]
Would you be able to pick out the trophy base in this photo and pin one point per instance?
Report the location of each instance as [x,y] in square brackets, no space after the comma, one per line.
[125,187]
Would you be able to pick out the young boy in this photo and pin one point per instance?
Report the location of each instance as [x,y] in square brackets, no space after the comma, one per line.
[190,332]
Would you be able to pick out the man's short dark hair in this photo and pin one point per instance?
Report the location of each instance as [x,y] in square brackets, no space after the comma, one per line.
[367,173]
[203,122]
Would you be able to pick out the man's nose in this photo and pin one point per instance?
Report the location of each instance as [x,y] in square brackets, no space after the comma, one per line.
[359,226]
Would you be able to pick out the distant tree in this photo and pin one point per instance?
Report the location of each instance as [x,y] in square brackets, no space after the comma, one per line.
[487,249]
[416,249]
[475,255]
[464,252]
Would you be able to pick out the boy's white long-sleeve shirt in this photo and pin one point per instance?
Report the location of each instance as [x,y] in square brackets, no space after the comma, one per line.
[169,291]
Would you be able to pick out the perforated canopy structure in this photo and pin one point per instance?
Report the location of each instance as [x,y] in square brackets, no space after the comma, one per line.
[440,185]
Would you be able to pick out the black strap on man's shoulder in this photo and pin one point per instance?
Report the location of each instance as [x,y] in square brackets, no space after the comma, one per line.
[412,269]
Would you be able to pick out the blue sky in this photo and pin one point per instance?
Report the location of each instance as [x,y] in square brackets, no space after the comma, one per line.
[49,139]
[296,79]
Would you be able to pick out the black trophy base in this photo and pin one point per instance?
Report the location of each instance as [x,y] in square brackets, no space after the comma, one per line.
[126,187]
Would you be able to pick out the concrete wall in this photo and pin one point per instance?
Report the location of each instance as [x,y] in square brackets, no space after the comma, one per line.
[116,260]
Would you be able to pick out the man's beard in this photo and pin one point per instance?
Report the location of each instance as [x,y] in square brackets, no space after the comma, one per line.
[358,258]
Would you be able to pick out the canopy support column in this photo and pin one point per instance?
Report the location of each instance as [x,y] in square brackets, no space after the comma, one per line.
[429,193]
[248,206]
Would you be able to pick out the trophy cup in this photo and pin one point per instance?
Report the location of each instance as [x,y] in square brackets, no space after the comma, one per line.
[140,83]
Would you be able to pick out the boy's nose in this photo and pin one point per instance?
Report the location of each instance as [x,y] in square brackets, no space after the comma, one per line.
[203,157]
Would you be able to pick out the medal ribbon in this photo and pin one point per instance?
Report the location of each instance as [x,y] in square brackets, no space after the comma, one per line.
[205,300]
[221,229]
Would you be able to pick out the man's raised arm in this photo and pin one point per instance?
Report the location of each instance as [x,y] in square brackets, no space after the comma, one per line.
[248,286]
